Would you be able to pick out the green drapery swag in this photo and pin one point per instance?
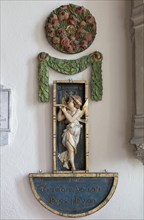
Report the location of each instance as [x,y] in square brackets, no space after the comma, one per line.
[70,67]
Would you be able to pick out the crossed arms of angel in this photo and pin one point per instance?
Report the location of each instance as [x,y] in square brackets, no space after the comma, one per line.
[64,114]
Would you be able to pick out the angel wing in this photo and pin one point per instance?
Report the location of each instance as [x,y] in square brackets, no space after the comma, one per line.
[85,106]
[63,101]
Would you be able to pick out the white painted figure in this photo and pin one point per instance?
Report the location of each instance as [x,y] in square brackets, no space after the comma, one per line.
[71,135]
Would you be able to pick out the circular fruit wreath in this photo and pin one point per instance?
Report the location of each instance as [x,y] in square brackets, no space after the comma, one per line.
[70,28]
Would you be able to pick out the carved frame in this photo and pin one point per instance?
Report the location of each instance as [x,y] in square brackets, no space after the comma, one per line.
[85,82]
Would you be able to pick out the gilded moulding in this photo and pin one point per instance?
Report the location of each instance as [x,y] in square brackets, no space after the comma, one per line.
[76,132]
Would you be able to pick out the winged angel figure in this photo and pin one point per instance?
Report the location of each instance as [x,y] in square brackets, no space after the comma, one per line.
[70,111]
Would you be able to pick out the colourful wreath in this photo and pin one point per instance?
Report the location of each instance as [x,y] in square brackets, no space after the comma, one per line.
[70,28]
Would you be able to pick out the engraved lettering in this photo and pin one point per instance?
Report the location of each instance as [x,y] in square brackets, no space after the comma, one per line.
[76,200]
[94,189]
[76,189]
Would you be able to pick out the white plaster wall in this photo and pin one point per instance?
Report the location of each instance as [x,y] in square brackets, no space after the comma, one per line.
[22,38]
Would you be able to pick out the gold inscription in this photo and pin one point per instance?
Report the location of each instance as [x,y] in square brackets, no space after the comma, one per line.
[76,200]
[74,190]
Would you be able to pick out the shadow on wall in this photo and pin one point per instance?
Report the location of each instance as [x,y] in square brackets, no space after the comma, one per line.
[43,117]
[129,79]
[28,202]
[121,84]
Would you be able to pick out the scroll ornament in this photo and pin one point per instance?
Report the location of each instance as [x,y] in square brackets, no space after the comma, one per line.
[70,67]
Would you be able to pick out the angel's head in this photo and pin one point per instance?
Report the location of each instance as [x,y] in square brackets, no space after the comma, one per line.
[74,100]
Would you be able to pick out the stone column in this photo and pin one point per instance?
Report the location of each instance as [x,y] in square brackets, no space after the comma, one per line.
[138,59]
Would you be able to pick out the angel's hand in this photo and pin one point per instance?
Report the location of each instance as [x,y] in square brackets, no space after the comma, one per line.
[63,109]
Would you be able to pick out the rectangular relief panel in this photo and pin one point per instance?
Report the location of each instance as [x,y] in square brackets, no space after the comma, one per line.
[5,109]
[70,136]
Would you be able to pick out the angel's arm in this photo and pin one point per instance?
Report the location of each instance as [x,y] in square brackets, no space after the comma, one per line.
[60,116]
[68,116]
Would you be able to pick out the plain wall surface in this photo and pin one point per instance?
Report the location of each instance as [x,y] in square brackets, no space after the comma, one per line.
[30,148]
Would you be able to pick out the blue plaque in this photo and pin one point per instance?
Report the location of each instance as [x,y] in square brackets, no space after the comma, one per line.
[75,195]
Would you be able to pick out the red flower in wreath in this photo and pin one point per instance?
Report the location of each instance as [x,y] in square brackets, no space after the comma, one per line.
[50,33]
[54,17]
[54,20]
[61,32]
[55,23]
[74,46]
[69,48]
[56,40]
[84,44]
[89,19]
[79,31]
[80,10]
[65,42]
[88,37]
[73,20]
[61,16]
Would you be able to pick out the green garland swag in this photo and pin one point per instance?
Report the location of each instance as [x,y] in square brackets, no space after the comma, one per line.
[70,67]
